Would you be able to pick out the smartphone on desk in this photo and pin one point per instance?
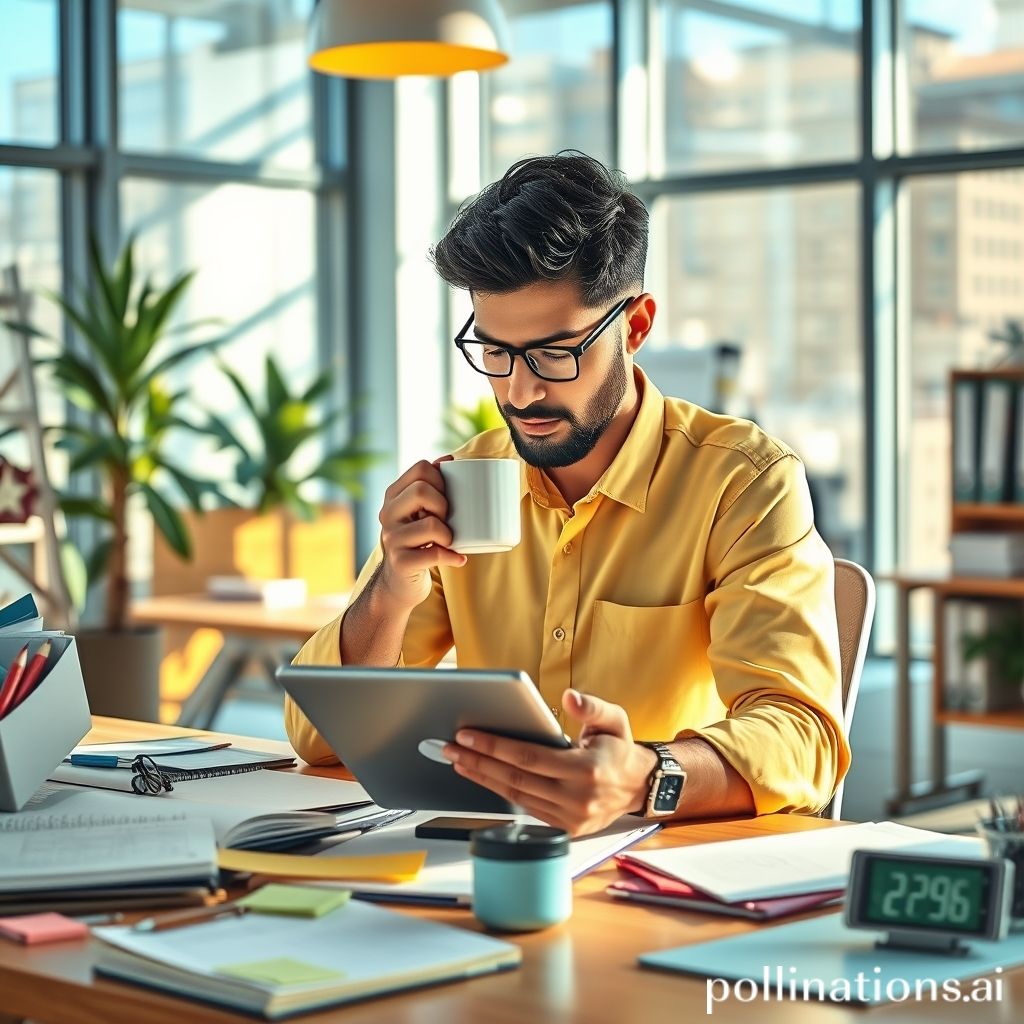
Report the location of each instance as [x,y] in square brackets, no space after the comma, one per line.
[455,828]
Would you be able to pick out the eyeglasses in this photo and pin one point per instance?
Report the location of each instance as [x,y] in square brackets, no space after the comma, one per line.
[545,360]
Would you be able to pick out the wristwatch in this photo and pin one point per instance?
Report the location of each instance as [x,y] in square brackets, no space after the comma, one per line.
[666,783]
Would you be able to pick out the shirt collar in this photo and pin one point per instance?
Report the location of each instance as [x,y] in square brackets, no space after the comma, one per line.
[628,479]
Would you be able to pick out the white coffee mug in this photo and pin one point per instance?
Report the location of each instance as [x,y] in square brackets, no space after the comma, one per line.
[483,504]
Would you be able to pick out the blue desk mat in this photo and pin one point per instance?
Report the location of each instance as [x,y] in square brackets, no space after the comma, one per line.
[824,949]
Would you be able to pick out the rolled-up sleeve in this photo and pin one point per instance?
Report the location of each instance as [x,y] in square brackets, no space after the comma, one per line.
[427,639]
[774,647]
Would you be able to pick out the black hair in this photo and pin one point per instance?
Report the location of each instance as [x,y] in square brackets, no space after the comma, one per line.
[547,219]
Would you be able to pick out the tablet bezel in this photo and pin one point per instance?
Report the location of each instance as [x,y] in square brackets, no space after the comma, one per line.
[375,719]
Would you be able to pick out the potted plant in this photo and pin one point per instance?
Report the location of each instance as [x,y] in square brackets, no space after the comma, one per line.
[277,529]
[117,380]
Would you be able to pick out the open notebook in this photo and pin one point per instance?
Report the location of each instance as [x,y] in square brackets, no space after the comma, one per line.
[252,811]
[278,966]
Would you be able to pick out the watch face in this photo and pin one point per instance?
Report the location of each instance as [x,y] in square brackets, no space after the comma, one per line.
[670,788]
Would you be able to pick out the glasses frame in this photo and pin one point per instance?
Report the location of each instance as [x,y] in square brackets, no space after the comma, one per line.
[523,350]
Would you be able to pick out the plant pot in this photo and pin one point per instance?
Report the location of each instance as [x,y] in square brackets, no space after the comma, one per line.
[121,670]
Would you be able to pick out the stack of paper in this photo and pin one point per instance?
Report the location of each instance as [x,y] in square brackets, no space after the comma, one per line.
[278,966]
[84,862]
[771,867]
[447,876]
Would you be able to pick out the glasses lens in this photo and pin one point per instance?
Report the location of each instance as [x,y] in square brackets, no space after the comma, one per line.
[487,358]
[553,363]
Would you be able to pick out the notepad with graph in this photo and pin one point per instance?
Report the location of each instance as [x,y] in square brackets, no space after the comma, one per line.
[278,966]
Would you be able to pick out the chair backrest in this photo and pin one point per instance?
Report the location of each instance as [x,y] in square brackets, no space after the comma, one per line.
[855,610]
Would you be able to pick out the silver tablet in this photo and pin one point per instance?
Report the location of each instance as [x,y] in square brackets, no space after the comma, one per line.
[388,724]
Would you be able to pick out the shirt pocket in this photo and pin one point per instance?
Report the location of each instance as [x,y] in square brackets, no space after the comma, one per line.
[653,661]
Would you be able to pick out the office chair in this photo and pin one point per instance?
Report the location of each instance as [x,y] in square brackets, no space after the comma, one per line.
[855,610]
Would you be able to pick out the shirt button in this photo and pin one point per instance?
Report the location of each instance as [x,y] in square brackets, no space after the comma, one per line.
[559,634]
[567,548]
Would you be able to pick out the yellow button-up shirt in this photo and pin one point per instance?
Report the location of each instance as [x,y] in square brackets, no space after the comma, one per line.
[689,586]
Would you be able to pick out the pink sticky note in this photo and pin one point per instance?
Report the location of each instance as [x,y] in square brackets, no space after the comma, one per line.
[34,928]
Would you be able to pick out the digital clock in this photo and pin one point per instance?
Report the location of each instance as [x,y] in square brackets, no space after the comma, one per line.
[929,902]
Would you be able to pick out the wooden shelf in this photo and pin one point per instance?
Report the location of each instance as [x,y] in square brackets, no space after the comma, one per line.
[969,514]
[1011,718]
[980,586]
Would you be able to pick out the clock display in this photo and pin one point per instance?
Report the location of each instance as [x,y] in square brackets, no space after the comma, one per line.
[948,897]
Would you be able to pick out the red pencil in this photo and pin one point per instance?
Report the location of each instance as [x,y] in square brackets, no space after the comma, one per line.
[10,683]
[26,684]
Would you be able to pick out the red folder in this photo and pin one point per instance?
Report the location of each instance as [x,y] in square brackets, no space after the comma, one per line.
[648,886]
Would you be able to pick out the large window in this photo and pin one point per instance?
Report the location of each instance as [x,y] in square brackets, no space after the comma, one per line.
[557,91]
[755,84]
[28,72]
[775,274]
[965,62]
[966,235]
[253,251]
[215,80]
[846,213]
[215,166]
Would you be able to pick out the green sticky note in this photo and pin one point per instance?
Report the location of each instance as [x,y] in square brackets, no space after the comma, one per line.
[299,900]
[280,971]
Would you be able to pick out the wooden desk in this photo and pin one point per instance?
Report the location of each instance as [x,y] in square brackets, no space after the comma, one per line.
[252,632]
[584,970]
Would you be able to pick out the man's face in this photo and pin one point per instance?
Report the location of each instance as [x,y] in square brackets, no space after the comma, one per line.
[552,423]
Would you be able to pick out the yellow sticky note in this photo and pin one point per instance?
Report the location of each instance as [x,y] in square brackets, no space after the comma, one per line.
[388,867]
[280,971]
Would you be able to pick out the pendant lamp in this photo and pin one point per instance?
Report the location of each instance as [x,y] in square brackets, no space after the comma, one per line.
[391,38]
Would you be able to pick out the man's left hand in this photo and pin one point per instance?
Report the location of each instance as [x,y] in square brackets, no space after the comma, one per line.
[581,790]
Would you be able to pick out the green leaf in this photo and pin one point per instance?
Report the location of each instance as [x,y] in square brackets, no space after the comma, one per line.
[192,488]
[25,328]
[75,372]
[123,278]
[168,522]
[97,563]
[71,505]
[241,389]
[76,574]
[293,501]
[172,360]
[277,390]
[320,387]
[219,429]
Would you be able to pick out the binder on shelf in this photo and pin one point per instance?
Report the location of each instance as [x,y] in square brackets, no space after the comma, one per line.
[965,440]
[997,424]
[953,655]
[1018,454]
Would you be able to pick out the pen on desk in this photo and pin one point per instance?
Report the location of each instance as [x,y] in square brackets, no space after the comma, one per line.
[100,761]
[91,919]
[187,917]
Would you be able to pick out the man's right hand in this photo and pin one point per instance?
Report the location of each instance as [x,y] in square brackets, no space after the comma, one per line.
[414,534]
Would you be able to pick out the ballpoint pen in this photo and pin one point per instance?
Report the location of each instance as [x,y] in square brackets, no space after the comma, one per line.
[187,917]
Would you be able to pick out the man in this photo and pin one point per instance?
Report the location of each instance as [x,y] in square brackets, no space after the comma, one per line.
[670,585]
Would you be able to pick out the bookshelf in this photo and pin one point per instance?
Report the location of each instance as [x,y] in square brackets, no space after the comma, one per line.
[973,516]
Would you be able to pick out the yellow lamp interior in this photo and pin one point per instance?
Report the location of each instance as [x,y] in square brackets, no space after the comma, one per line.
[392,59]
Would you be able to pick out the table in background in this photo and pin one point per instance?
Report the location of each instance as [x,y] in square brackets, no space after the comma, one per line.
[584,970]
[252,632]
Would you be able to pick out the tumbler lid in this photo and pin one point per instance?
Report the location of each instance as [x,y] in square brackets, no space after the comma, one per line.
[519,842]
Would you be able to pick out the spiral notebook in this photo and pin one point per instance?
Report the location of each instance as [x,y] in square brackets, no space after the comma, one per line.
[182,758]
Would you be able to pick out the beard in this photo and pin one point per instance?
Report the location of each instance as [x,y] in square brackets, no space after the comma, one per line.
[549,453]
